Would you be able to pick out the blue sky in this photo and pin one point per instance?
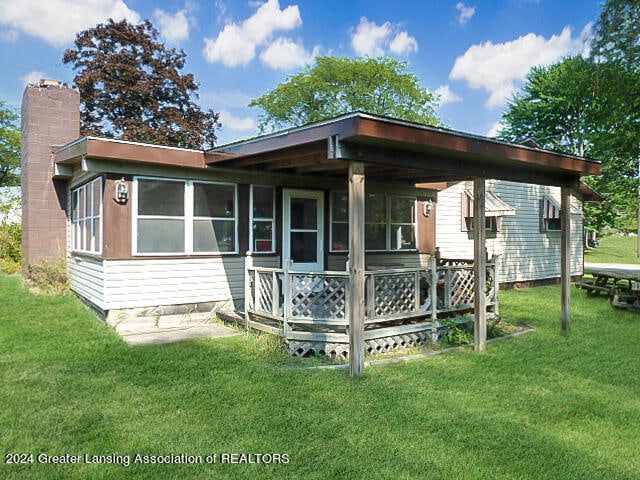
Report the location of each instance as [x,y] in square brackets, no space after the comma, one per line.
[475,54]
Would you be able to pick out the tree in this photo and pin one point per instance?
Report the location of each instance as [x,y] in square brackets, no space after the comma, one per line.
[9,146]
[556,107]
[131,88]
[616,50]
[339,85]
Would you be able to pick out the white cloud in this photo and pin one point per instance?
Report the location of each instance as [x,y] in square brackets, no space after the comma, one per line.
[373,40]
[285,54]
[32,77]
[446,95]
[238,124]
[494,130]
[236,44]
[58,21]
[403,44]
[173,28]
[466,13]
[370,38]
[500,68]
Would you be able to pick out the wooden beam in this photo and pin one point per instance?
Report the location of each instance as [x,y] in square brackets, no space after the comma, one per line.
[356,269]
[565,260]
[480,265]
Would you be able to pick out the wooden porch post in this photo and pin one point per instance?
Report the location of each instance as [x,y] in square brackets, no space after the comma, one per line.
[356,269]
[480,265]
[565,258]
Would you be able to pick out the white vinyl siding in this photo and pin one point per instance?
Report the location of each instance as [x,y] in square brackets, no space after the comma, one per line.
[153,282]
[86,278]
[526,252]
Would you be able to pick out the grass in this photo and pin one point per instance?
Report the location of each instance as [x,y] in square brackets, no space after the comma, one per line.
[614,249]
[540,406]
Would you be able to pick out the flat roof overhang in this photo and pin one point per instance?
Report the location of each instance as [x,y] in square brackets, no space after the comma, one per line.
[399,151]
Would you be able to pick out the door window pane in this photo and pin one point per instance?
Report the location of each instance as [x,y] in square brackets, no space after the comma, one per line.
[304,213]
[304,247]
[158,197]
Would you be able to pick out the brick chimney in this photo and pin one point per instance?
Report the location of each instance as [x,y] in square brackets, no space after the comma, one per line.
[50,118]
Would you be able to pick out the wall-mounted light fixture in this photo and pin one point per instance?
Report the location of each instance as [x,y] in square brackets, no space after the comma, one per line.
[427,208]
[122,191]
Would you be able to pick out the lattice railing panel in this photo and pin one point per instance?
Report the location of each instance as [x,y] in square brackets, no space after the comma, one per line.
[394,293]
[264,292]
[318,297]
[461,287]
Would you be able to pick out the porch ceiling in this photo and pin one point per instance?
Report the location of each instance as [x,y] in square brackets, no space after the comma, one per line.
[395,151]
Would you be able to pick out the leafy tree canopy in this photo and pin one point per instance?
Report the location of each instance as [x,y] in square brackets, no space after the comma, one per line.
[339,85]
[9,146]
[131,88]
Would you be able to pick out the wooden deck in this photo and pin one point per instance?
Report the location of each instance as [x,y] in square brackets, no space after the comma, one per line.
[403,306]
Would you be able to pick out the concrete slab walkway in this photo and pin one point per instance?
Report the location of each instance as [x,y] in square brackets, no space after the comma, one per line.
[171,328]
[160,336]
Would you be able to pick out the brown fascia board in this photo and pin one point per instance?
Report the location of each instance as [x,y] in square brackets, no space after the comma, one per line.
[379,131]
[448,143]
[118,150]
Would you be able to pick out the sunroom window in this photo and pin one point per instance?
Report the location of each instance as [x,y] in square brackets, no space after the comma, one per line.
[389,222]
[262,218]
[86,217]
[161,216]
[184,217]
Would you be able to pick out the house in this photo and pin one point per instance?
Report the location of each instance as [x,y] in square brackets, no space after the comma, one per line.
[522,226]
[282,226]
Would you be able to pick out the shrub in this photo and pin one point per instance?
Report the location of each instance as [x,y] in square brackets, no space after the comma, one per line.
[49,277]
[10,247]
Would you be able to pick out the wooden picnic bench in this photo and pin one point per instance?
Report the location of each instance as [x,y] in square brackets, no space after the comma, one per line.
[621,286]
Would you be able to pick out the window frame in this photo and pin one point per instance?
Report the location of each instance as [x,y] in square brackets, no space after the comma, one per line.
[388,198]
[253,219]
[189,218]
[79,223]
[550,211]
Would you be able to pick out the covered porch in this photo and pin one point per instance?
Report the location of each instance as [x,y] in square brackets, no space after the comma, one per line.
[355,303]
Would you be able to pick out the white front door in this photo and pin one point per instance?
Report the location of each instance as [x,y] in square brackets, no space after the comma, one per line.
[303,230]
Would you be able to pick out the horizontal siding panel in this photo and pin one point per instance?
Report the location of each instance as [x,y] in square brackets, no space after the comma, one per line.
[86,278]
[145,283]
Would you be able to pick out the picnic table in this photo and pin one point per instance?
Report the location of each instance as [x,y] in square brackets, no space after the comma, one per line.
[622,285]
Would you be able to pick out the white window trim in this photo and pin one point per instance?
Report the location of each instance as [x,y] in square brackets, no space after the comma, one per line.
[261,219]
[388,224]
[188,218]
[97,250]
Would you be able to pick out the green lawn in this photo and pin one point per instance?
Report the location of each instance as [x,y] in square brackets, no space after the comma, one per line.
[614,249]
[542,405]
